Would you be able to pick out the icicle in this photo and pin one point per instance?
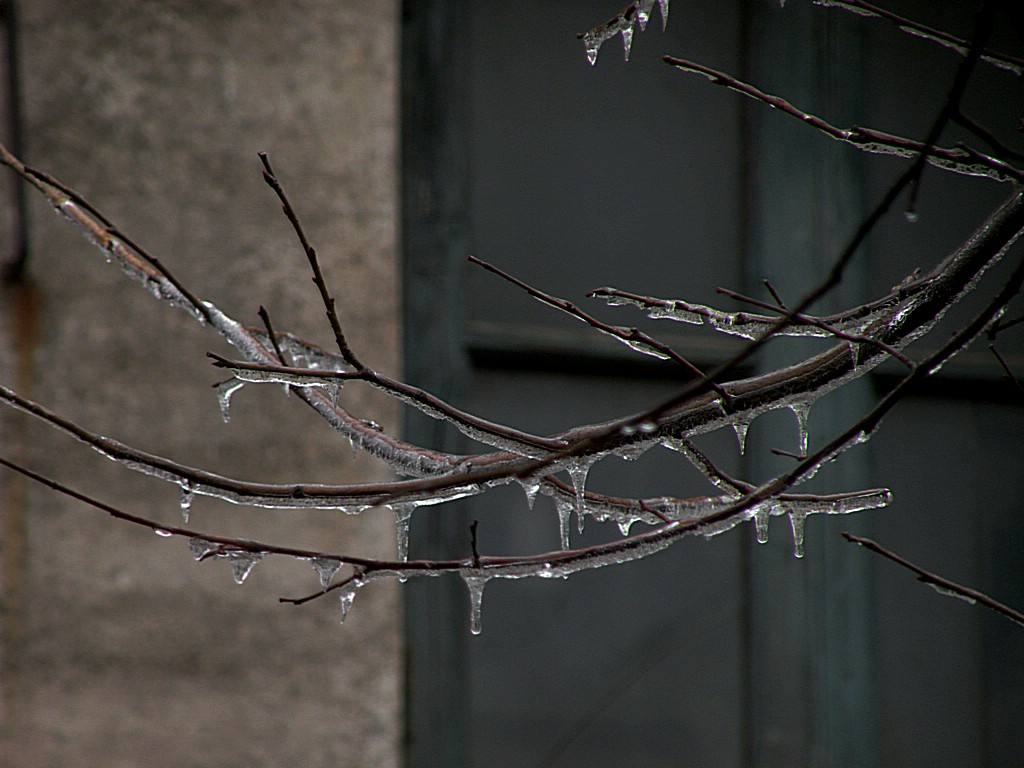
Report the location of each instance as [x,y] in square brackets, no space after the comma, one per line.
[625,524]
[186,496]
[627,37]
[800,410]
[346,596]
[797,520]
[162,532]
[475,584]
[334,390]
[325,568]
[242,562]
[854,349]
[663,5]
[741,427]
[643,12]
[592,42]
[564,509]
[403,514]
[531,487]
[762,513]
[200,548]
[225,390]
[578,469]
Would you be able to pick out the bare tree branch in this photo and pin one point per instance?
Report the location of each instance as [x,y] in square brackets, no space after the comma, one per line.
[861,8]
[942,585]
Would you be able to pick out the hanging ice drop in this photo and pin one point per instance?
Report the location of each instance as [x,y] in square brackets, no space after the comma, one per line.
[475,584]
[200,548]
[185,497]
[242,563]
[643,12]
[592,43]
[741,427]
[564,509]
[627,38]
[797,520]
[225,390]
[663,5]
[403,514]
[578,469]
[347,595]
[800,410]
[531,487]
[762,513]
[325,568]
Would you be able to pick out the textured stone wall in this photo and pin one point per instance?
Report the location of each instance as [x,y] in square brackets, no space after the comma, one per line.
[118,649]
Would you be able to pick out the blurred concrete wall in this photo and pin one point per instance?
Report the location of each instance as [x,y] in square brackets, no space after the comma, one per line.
[118,649]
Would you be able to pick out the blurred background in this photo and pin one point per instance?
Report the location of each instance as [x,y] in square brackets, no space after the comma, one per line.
[410,136]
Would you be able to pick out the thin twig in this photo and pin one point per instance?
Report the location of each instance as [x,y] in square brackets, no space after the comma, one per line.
[114,232]
[265,317]
[632,337]
[861,8]
[801,319]
[1009,373]
[472,541]
[314,263]
[982,32]
[986,135]
[467,423]
[942,584]
[866,139]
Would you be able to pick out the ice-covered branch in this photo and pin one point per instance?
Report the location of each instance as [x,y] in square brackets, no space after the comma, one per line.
[633,338]
[961,46]
[636,13]
[352,498]
[940,584]
[487,432]
[318,278]
[958,160]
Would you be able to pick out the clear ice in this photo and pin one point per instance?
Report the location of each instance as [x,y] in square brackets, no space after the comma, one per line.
[475,584]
